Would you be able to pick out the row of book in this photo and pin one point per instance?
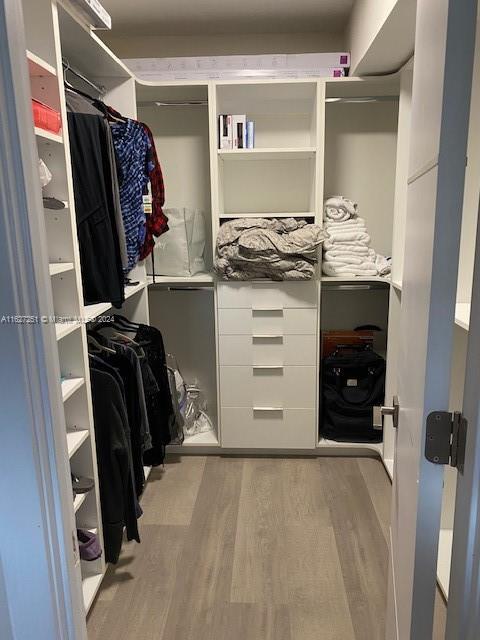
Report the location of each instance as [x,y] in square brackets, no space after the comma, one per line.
[235,132]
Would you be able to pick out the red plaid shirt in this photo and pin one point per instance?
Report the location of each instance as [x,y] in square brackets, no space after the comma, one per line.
[157,221]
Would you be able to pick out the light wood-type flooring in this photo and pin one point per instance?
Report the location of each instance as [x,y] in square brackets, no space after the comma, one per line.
[255,549]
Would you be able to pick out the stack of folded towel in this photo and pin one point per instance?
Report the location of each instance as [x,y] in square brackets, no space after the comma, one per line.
[347,251]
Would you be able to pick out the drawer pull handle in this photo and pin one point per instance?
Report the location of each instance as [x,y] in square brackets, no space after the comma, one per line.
[267,336]
[266,309]
[268,408]
[268,366]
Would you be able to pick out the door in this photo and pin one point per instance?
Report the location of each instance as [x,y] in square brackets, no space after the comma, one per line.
[444,46]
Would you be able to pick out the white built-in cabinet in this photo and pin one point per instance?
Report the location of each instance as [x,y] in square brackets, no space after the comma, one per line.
[254,347]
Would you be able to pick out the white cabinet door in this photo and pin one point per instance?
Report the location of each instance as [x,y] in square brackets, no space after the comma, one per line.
[441,92]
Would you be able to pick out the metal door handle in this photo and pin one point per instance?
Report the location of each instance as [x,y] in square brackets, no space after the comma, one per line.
[379,412]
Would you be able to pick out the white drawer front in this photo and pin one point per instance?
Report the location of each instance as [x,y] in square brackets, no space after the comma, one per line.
[257,322]
[280,429]
[270,295]
[281,350]
[268,387]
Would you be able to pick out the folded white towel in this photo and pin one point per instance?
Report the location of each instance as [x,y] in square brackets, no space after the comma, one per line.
[352,223]
[350,249]
[349,258]
[330,269]
[358,238]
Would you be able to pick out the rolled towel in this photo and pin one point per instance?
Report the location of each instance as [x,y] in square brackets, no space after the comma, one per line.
[338,208]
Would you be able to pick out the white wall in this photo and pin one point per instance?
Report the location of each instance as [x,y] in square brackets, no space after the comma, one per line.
[222,44]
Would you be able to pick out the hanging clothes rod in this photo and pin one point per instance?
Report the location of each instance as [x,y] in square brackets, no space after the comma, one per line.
[100,89]
[362,99]
[173,103]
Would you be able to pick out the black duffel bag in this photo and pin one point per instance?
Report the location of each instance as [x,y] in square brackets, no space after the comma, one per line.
[353,382]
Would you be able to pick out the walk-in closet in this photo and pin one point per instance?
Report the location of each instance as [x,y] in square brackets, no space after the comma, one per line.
[236,291]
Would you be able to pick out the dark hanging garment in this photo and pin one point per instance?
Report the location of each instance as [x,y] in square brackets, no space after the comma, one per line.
[117,493]
[158,400]
[100,256]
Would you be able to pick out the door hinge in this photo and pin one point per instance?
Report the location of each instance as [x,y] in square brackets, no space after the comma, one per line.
[446,438]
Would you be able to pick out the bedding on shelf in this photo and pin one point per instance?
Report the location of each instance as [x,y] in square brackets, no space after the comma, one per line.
[278,249]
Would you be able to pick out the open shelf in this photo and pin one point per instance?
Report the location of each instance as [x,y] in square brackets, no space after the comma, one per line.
[90,587]
[38,68]
[300,153]
[75,439]
[462,315]
[63,329]
[48,135]
[201,439]
[71,385]
[55,268]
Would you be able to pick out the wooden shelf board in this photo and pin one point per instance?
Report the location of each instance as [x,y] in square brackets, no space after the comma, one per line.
[283,214]
[90,587]
[294,153]
[92,311]
[199,278]
[75,439]
[63,329]
[355,279]
[207,439]
[48,135]
[38,67]
[79,500]
[60,267]
[462,315]
[376,447]
[397,285]
[70,385]
[444,560]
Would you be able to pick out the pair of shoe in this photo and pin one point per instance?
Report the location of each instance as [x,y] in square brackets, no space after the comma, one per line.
[88,545]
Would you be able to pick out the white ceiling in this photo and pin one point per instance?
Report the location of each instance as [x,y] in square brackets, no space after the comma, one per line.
[152,17]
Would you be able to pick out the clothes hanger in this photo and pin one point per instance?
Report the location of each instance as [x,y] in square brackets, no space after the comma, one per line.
[122,336]
[100,347]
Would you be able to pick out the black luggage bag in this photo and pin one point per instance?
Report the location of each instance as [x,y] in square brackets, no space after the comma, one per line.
[353,382]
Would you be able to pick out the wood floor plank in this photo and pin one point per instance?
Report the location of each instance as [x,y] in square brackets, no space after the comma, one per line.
[172,490]
[361,545]
[145,579]
[285,550]
[204,571]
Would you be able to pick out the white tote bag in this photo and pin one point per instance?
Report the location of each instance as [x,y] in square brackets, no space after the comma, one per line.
[180,251]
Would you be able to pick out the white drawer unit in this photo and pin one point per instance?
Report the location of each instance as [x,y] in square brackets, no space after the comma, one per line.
[268,428]
[267,322]
[280,350]
[268,295]
[268,387]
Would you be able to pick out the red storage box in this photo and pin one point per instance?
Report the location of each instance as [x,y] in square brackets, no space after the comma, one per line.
[45,117]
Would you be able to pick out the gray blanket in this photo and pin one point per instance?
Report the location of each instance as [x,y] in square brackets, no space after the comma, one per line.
[278,249]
